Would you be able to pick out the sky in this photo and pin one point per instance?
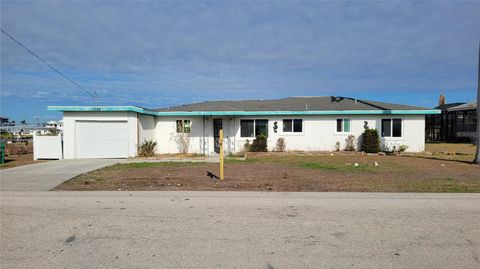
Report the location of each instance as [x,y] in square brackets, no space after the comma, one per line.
[158,54]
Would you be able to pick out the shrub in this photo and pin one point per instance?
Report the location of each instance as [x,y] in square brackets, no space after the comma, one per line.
[18,149]
[281,145]
[259,144]
[388,149]
[247,146]
[183,143]
[6,135]
[350,143]
[402,148]
[370,141]
[147,149]
[337,146]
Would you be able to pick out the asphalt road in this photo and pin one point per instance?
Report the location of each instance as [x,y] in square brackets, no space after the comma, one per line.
[239,230]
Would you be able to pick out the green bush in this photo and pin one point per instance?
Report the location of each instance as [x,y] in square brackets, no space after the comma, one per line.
[259,144]
[147,149]
[370,141]
[6,135]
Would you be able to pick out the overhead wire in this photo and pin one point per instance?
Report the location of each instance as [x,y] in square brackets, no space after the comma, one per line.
[93,94]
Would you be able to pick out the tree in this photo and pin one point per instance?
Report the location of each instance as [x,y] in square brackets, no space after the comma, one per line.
[477,155]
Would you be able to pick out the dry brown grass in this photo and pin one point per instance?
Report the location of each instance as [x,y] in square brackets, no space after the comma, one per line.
[18,160]
[291,172]
[450,148]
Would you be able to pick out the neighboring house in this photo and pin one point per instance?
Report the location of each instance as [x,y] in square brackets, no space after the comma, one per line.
[51,124]
[465,121]
[5,122]
[306,124]
[54,125]
[25,132]
[456,123]
[60,126]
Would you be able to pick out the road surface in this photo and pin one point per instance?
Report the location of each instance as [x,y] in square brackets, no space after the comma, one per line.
[239,230]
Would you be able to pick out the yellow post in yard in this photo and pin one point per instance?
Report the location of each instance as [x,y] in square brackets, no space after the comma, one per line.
[220,141]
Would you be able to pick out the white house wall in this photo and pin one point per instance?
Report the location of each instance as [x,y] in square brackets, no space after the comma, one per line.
[319,133]
[168,138]
[69,119]
[147,128]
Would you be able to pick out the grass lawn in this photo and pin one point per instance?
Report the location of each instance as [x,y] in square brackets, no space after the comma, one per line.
[290,172]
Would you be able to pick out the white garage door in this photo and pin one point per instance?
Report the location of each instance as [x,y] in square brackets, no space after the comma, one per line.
[101,139]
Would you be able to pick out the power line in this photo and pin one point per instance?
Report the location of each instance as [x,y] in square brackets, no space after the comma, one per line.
[94,94]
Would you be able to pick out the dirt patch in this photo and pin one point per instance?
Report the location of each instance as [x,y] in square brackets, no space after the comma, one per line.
[18,160]
[283,172]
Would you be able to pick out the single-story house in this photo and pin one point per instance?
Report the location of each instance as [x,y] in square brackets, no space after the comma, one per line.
[305,123]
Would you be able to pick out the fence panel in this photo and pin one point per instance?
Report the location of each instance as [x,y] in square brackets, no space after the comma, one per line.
[47,147]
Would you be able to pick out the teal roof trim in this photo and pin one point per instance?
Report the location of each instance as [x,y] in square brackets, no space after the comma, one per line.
[102,108]
[242,113]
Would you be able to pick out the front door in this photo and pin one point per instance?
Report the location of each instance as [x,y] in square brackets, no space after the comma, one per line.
[217,125]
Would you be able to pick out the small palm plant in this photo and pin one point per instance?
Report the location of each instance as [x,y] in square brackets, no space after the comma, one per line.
[147,148]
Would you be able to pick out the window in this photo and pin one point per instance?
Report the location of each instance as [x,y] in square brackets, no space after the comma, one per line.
[397,127]
[186,126]
[391,127]
[183,126]
[246,128]
[253,128]
[343,125]
[261,127]
[179,126]
[386,127]
[287,126]
[292,125]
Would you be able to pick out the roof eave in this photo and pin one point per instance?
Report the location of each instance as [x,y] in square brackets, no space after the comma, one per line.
[240,113]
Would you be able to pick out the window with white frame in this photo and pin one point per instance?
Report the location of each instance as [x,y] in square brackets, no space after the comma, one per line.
[183,126]
[391,127]
[343,125]
[292,125]
[253,128]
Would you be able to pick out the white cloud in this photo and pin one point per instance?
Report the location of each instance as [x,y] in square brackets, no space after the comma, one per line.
[161,53]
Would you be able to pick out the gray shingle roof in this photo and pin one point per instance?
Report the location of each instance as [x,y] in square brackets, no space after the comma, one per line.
[468,106]
[447,106]
[321,103]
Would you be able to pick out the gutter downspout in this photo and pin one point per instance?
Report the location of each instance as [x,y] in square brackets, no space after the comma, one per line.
[234,137]
[203,141]
[138,131]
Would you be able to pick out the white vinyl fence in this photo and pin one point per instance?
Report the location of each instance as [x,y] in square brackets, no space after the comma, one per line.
[47,147]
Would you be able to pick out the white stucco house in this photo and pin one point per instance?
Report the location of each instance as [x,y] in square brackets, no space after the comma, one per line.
[306,124]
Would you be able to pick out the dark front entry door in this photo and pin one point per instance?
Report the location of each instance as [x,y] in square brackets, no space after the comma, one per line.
[217,125]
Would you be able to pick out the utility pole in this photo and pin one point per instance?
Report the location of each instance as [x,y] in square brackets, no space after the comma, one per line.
[477,155]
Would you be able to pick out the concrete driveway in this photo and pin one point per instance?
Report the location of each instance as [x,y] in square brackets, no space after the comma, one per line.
[46,175]
[239,230]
